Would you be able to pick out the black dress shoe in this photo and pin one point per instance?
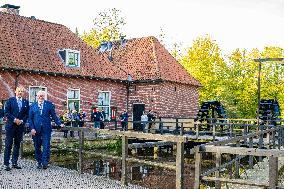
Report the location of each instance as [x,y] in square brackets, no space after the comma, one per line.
[16,167]
[44,166]
[7,168]
[39,166]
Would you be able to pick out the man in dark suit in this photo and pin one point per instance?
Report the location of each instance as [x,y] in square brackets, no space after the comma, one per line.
[16,111]
[40,115]
[124,120]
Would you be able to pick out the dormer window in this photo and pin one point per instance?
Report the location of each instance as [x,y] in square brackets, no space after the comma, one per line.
[71,58]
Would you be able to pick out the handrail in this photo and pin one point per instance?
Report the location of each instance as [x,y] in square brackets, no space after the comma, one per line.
[226,147]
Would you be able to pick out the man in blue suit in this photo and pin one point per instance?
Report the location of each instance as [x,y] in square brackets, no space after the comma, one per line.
[16,111]
[40,115]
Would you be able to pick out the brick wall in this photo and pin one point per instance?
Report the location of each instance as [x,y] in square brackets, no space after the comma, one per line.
[178,100]
[57,87]
[166,98]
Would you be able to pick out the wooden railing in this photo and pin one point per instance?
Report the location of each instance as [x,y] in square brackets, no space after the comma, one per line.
[238,132]
[275,138]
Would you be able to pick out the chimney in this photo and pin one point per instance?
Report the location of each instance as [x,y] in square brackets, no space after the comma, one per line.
[11,9]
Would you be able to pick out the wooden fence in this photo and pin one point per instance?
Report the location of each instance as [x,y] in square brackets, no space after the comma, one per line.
[237,131]
[275,138]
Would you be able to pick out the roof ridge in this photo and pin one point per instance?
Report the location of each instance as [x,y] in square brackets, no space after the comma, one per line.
[155,55]
[29,18]
[39,42]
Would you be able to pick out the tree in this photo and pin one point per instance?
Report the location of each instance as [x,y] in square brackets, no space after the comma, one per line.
[240,85]
[272,76]
[233,79]
[204,62]
[107,27]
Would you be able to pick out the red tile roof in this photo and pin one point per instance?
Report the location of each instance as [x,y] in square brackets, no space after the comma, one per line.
[147,59]
[31,44]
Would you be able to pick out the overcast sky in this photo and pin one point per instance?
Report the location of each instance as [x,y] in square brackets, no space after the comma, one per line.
[232,23]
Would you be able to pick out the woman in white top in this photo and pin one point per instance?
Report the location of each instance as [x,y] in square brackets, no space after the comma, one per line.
[144,121]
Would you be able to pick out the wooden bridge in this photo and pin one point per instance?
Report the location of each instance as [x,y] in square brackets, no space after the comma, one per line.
[267,143]
[239,137]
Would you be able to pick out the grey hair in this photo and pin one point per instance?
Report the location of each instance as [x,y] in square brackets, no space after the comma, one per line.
[41,93]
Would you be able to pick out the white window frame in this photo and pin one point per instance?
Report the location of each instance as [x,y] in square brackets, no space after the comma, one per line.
[73,99]
[67,51]
[41,87]
[108,114]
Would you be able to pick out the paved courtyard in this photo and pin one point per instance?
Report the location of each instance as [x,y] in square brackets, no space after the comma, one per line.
[54,177]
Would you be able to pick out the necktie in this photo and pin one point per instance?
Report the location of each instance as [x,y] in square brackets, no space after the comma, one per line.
[40,108]
[19,101]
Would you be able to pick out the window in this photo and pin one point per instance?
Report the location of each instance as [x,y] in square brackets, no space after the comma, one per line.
[33,91]
[71,58]
[73,99]
[104,103]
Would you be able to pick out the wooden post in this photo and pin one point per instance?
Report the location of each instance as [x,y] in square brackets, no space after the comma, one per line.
[251,157]
[179,165]
[217,172]
[273,172]
[231,130]
[197,174]
[161,128]
[181,129]
[81,149]
[279,138]
[124,163]
[260,142]
[282,136]
[115,125]
[177,125]
[245,133]
[1,124]
[197,129]
[214,130]
[156,152]
[230,168]
[273,139]
[237,163]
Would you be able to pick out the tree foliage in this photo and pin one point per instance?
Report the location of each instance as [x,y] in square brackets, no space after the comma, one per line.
[204,62]
[232,79]
[107,27]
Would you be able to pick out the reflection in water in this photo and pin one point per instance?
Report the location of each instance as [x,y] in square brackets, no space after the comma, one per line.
[111,169]
[143,175]
[138,174]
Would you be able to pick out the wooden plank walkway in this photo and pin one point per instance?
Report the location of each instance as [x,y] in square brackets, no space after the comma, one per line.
[29,177]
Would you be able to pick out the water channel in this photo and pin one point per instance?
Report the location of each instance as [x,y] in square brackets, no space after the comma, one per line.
[138,174]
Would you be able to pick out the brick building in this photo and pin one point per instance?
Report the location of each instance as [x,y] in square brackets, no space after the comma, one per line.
[133,74]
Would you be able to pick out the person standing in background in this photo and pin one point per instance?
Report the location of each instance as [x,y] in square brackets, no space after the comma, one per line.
[144,122]
[66,119]
[81,116]
[124,120]
[102,124]
[74,121]
[97,117]
[151,119]
[16,111]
